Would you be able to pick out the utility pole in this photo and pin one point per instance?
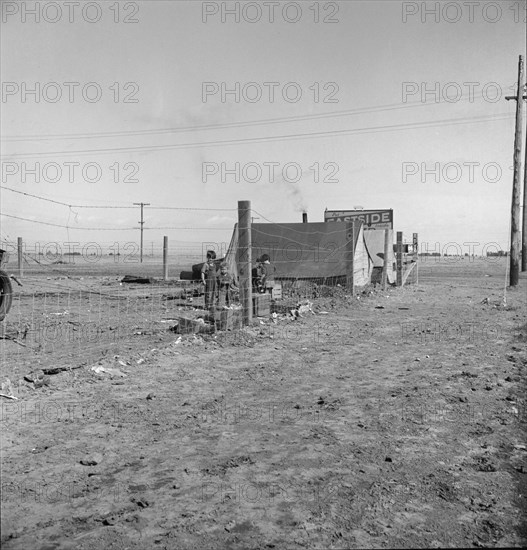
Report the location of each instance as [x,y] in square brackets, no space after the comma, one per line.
[514,274]
[524,208]
[141,204]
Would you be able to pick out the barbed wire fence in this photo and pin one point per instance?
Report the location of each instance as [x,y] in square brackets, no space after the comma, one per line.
[69,304]
[74,307]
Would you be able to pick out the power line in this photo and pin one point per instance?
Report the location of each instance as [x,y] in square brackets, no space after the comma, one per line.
[191,228]
[58,202]
[110,228]
[30,195]
[33,221]
[309,135]
[182,208]
[240,124]
[119,207]
[71,226]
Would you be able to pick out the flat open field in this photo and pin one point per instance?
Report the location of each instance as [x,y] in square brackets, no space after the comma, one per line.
[385,420]
[102,266]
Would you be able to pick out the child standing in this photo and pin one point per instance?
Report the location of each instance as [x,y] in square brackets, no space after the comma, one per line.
[226,285]
[209,277]
[255,275]
[266,274]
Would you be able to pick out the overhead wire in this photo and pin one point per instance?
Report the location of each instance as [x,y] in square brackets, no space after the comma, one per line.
[239,124]
[70,226]
[117,207]
[287,137]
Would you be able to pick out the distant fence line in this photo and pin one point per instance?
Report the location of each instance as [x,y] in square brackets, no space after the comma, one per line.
[52,250]
[119,257]
[90,257]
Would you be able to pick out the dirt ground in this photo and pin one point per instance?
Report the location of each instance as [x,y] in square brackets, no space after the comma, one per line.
[385,420]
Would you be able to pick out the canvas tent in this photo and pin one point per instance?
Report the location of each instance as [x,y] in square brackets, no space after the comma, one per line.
[375,245]
[315,251]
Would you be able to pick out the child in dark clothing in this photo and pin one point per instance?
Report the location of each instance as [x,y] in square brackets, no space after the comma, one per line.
[209,277]
[256,274]
[226,286]
[266,273]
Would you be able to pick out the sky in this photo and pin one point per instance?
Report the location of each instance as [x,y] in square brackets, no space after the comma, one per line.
[378,104]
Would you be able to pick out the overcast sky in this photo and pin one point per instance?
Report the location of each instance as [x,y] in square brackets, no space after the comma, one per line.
[351,119]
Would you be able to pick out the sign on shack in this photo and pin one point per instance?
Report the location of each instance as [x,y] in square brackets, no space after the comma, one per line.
[371,219]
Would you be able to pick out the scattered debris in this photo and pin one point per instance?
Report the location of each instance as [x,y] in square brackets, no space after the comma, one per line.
[7,390]
[192,326]
[99,369]
[302,307]
[88,462]
[56,370]
[16,280]
[141,502]
[7,337]
[138,280]
[39,379]
[9,396]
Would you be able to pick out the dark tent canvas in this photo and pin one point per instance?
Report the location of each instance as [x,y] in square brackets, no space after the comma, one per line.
[307,250]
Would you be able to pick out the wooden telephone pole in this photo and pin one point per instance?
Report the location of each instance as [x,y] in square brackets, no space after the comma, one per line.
[141,204]
[514,274]
[524,209]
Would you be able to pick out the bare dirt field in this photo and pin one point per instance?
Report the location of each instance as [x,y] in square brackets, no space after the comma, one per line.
[385,420]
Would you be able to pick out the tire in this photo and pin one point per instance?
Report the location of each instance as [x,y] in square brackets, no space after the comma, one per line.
[6,294]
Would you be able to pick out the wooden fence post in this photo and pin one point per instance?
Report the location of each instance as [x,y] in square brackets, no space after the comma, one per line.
[165,258]
[416,257]
[399,254]
[350,256]
[386,259]
[244,259]
[20,257]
